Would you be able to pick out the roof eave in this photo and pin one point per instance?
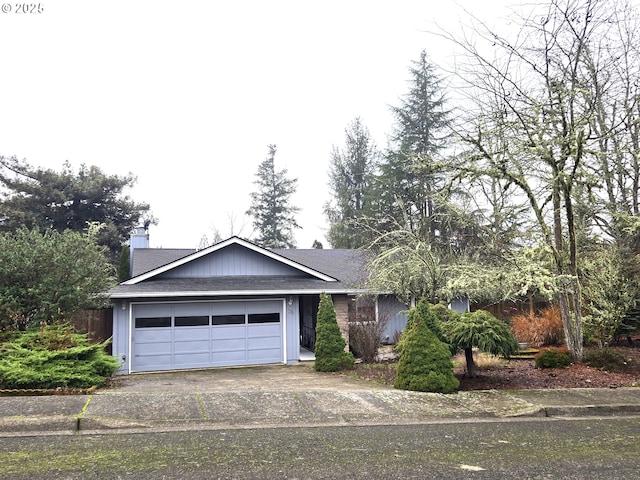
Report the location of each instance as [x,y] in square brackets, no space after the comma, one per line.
[223,293]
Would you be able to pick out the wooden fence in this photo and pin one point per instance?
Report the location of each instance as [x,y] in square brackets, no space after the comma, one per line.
[97,323]
[505,310]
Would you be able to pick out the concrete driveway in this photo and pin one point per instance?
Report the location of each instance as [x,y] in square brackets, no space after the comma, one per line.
[274,378]
[278,395]
[286,395]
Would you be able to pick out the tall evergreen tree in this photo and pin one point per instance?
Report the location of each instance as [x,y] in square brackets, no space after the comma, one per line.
[273,215]
[350,176]
[124,266]
[410,185]
[46,199]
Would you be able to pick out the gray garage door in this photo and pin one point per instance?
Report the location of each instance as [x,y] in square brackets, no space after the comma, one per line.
[197,335]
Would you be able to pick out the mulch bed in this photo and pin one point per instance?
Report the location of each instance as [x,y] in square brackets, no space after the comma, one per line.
[523,374]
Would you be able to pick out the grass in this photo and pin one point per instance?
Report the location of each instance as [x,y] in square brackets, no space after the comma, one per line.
[483,361]
[381,373]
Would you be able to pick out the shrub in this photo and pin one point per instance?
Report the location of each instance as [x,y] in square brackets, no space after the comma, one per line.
[366,334]
[605,359]
[482,330]
[425,362]
[553,357]
[431,315]
[365,339]
[444,313]
[54,356]
[629,326]
[11,320]
[47,276]
[330,345]
[542,330]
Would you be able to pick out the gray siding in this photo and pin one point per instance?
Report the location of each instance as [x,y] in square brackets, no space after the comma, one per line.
[293,329]
[394,312]
[120,339]
[234,260]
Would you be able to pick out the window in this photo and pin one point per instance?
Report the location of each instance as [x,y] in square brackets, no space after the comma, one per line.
[227,320]
[191,321]
[153,322]
[264,317]
[362,309]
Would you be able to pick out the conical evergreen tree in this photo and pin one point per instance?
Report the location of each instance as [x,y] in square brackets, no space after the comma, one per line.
[351,174]
[410,186]
[431,315]
[273,215]
[330,345]
[425,362]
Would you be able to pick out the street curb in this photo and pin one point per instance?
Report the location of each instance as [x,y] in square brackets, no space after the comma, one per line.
[73,424]
[113,412]
[38,423]
[591,410]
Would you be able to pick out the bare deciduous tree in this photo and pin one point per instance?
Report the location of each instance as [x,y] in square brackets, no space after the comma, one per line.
[546,109]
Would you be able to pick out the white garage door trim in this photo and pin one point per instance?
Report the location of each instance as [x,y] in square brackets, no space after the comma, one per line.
[184,335]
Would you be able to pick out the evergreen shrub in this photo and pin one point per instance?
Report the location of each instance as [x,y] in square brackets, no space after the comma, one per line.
[553,357]
[425,362]
[432,315]
[483,331]
[330,352]
[54,356]
[605,359]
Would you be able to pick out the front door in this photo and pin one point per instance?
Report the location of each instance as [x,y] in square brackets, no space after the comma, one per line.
[308,318]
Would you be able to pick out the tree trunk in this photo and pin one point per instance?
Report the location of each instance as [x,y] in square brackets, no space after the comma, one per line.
[471,366]
[568,302]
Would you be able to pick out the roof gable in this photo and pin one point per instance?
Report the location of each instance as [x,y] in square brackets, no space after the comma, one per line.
[233,255]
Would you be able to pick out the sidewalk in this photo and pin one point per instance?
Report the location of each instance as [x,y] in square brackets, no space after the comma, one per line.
[257,397]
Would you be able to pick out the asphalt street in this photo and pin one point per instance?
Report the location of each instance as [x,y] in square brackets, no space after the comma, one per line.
[523,448]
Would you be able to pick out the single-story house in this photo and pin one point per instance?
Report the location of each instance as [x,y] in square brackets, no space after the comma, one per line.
[234,303]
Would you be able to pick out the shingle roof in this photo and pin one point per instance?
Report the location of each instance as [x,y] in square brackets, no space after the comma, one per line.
[346,266]
[229,286]
[147,259]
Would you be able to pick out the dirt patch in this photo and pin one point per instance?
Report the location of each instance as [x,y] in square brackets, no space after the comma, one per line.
[523,374]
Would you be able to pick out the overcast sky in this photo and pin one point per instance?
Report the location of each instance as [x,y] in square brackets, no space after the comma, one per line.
[186,95]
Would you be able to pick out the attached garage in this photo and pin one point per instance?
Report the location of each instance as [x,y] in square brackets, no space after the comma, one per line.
[169,336]
[231,304]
